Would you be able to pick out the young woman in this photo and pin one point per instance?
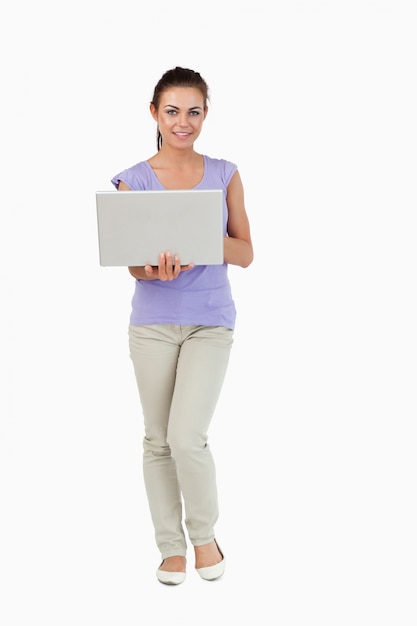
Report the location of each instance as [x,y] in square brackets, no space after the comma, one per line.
[181,334]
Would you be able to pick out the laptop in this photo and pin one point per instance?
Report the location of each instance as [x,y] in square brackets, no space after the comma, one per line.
[134,227]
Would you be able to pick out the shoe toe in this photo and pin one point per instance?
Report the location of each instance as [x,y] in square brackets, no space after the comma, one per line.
[213,571]
[170,578]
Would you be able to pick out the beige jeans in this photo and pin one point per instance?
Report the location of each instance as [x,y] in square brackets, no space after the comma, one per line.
[179,372]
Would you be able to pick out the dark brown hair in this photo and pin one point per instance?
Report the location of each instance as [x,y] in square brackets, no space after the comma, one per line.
[178,77]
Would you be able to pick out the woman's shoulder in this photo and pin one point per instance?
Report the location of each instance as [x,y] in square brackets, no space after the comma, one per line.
[137,176]
[219,163]
[220,167]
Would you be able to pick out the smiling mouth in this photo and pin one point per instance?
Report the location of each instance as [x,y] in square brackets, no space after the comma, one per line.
[182,134]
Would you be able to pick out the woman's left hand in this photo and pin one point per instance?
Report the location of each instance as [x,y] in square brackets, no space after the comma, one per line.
[168,268]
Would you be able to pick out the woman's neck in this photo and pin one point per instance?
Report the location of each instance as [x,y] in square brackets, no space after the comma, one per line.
[183,171]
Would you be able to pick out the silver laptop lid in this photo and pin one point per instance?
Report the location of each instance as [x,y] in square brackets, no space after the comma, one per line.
[134,227]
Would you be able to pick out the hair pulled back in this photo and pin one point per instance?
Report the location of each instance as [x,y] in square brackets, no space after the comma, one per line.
[178,77]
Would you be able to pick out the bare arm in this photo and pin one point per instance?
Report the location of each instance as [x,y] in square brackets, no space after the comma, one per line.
[168,268]
[238,248]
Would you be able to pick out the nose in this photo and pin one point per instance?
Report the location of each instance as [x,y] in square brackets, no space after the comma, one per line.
[182,119]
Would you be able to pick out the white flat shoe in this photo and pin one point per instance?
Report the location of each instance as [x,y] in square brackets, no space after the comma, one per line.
[213,571]
[170,578]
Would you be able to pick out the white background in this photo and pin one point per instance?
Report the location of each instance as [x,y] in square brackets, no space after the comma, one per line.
[314,436]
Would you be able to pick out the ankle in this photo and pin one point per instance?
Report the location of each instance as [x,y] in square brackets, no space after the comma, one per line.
[207,555]
[173,564]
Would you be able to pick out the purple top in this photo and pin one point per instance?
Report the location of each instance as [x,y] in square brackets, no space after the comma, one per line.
[201,296]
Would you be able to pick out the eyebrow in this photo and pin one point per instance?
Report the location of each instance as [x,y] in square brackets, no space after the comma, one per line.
[172,106]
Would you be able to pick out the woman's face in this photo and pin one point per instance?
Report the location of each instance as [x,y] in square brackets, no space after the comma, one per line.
[180,116]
